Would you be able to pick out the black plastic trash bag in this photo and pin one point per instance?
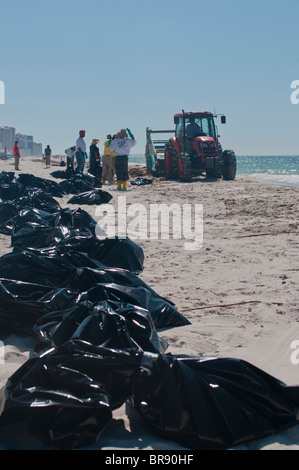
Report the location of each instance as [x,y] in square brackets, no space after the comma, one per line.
[79,182]
[113,325]
[11,191]
[8,210]
[141,181]
[75,186]
[6,177]
[212,403]
[113,252]
[96,196]
[29,218]
[35,219]
[62,174]
[29,267]
[49,186]
[39,199]
[66,396]
[23,303]
[96,171]
[98,283]
[163,313]
[123,326]
[41,237]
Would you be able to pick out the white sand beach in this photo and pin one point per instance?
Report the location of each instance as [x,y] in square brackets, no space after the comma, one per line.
[239,290]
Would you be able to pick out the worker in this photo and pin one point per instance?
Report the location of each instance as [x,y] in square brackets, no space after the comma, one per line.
[107,162]
[193,129]
[48,153]
[70,155]
[17,155]
[121,146]
[80,152]
[95,168]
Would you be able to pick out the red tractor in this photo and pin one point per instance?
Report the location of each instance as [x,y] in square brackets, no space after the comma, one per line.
[195,149]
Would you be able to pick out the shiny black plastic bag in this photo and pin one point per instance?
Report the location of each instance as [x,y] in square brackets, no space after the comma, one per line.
[212,403]
[98,283]
[41,237]
[163,313]
[96,196]
[74,185]
[29,218]
[113,325]
[16,219]
[82,219]
[29,267]
[8,210]
[114,252]
[141,181]
[66,396]
[78,182]
[39,199]
[23,303]
[6,177]
[12,190]
[49,186]
[62,174]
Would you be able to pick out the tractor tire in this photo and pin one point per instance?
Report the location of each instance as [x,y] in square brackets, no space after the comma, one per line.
[214,173]
[184,167]
[171,159]
[229,165]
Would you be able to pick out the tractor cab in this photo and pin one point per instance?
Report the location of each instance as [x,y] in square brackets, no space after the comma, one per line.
[196,133]
[194,124]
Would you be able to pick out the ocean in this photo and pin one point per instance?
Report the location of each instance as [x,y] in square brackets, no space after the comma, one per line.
[282,170]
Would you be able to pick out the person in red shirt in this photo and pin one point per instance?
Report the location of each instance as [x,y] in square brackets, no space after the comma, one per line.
[17,155]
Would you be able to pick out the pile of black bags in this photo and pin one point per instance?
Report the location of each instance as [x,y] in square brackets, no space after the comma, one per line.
[82,186]
[95,323]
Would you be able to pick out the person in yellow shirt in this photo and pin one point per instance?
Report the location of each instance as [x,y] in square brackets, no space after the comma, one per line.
[107,162]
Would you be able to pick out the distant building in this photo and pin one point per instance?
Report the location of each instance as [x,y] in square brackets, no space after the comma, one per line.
[27,145]
[7,138]
[38,149]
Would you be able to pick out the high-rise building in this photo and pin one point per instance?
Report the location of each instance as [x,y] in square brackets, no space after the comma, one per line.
[7,137]
[27,145]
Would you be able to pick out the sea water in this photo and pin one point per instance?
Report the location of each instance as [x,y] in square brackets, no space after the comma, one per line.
[283,169]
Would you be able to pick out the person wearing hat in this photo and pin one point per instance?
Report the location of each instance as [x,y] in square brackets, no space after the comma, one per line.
[121,146]
[95,168]
[80,152]
[70,155]
[17,155]
[108,163]
[48,153]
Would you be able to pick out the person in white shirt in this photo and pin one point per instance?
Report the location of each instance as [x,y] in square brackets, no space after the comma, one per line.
[80,152]
[121,147]
[70,154]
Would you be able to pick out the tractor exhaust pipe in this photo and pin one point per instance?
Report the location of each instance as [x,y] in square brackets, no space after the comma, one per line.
[184,130]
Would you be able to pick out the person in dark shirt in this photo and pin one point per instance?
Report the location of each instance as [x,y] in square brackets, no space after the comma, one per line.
[95,168]
[48,153]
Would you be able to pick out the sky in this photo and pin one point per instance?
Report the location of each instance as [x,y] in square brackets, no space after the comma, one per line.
[102,66]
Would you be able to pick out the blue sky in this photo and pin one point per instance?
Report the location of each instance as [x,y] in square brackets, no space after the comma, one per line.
[102,66]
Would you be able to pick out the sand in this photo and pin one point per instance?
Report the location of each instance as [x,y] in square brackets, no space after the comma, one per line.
[239,289]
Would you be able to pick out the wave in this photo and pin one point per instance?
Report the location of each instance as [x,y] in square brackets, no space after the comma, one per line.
[282,179]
